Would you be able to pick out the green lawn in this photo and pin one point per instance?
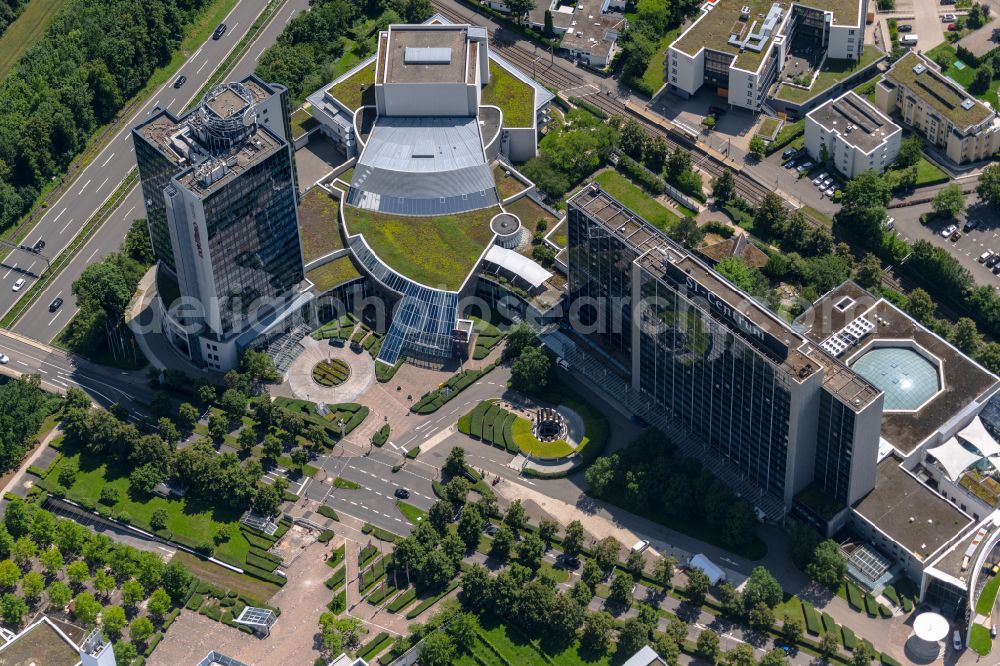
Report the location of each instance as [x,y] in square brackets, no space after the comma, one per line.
[656,69]
[549,571]
[515,98]
[254,588]
[193,520]
[980,641]
[988,596]
[302,121]
[23,32]
[410,512]
[768,127]
[333,274]
[507,186]
[357,89]
[834,71]
[527,442]
[559,235]
[319,228]
[633,197]
[517,648]
[434,251]
[530,213]
[928,173]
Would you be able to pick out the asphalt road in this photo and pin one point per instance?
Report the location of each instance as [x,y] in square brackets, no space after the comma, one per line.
[103,175]
[60,370]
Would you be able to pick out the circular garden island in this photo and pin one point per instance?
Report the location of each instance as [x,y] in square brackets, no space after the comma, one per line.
[542,433]
[331,373]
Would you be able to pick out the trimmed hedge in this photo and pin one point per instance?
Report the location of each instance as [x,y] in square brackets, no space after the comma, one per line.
[256,541]
[328,512]
[413,453]
[430,601]
[381,435]
[890,593]
[337,579]
[381,594]
[261,563]
[830,625]
[379,533]
[195,602]
[366,555]
[871,606]
[854,597]
[264,575]
[813,624]
[325,536]
[337,556]
[850,640]
[432,401]
[374,646]
[338,604]
[402,601]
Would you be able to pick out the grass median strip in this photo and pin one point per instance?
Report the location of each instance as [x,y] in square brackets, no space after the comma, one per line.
[66,256]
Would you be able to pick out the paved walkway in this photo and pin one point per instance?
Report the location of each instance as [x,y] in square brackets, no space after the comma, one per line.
[301,381]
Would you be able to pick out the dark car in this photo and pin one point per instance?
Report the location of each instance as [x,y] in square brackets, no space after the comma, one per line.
[55,304]
[993,261]
[905,27]
[181,80]
[716,110]
[402,493]
[219,32]
[788,153]
[970,225]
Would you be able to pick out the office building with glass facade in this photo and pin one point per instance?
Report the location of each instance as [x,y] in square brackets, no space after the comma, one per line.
[221,193]
[764,398]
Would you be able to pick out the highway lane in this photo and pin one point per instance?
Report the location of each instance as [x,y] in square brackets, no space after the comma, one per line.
[40,324]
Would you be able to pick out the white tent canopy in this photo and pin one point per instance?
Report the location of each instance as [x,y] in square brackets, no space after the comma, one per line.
[518,264]
[714,573]
[954,457]
[976,434]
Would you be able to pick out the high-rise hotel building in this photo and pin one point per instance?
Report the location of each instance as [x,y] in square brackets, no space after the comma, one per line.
[220,189]
[775,405]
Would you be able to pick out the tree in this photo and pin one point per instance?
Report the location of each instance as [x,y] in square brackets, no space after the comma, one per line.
[247,439]
[791,628]
[762,587]
[771,214]
[258,366]
[167,431]
[548,29]
[869,271]
[440,515]
[77,573]
[470,527]
[828,646]
[989,356]
[113,620]
[125,652]
[687,232]
[437,649]
[530,371]
[757,146]
[591,575]
[519,8]
[462,630]
[530,550]
[910,150]
[862,655]
[10,574]
[13,609]
[621,590]
[23,551]
[775,657]
[982,79]
[455,464]
[110,495]
[206,394]
[828,566]
[707,646]
[966,337]
[519,339]
[234,404]
[158,521]
[267,500]
[663,571]
[920,305]
[597,628]
[697,586]
[548,530]
[606,553]
[104,287]
[58,595]
[503,541]
[564,617]
[760,617]
[741,655]
[218,427]
[988,188]
[456,490]
[635,564]
[949,202]
[601,475]
[176,581]
[572,542]
[632,636]
[515,516]
[32,586]
[476,583]
[133,593]
[86,608]
[632,139]
[159,603]
[723,186]
[140,629]
[187,416]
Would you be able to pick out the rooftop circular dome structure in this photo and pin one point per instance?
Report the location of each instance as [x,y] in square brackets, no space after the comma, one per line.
[926,643]
[907,377]
[508,229]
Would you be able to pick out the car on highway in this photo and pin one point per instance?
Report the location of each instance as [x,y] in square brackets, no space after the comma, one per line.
[17,285]
[402,493]
[788,153]
[55,304]
[970,225]
[949,230]
[4,359]
[985,256]
[219,32]
[181,80]
[947,18]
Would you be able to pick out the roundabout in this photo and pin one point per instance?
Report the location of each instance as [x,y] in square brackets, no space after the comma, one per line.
[325,373]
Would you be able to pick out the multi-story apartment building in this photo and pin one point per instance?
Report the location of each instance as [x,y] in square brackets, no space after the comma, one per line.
[762,396]
[739,46]
[938,109]
[220,189]
[855,135]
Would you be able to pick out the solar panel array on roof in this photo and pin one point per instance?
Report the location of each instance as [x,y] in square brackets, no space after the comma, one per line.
[426,55]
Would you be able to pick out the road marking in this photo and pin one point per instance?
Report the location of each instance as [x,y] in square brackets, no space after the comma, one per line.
[9,270]
[107,160]
[44,372]
[23,363]
[195,54]
[354,503]
[202,67]
[32,265]
[60,214]
[96,249]
[83,188]
[125,217]
[171,102]
[102,184]
[66,227]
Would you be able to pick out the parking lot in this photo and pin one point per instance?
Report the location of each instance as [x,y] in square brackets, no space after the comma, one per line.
[971,244]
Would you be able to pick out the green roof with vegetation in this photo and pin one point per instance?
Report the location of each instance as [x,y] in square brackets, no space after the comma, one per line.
[632,197]
[356,89]
[944,96]
[834,71]
[319,224]
[333,274]
[713,28]
[437,251]
[514,97]
[302,121]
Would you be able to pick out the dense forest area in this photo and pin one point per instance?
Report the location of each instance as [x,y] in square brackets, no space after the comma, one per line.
[319,45]
[9,11]
[94,57]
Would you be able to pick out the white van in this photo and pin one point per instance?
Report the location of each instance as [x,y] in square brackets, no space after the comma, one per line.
[908,40]
[640,546]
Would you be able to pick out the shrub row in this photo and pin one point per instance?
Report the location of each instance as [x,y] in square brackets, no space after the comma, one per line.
[381,593]
[337,579]
[339,602]
[813,624]
[328,512]
[433,400]
[325,536]
[374,646]
[263,554]
[195,602]
[430,601]
[584,104]
[379,533]
[413,453]
[337,556]
[381,435]
[366,555]
[261,563]
[402,601]
[641,176]
[854,597]
[264,574]
[255,539]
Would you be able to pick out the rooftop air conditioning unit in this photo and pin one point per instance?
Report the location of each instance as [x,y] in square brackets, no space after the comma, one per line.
[745,12]
[968,104]
[919,68]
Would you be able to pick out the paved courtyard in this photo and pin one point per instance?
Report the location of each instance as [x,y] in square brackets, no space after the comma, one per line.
[301,381]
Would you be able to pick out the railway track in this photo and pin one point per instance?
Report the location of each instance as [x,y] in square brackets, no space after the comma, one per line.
[550,72]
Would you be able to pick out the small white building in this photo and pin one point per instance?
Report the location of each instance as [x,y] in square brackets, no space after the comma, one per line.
[856,136]
[711,569]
